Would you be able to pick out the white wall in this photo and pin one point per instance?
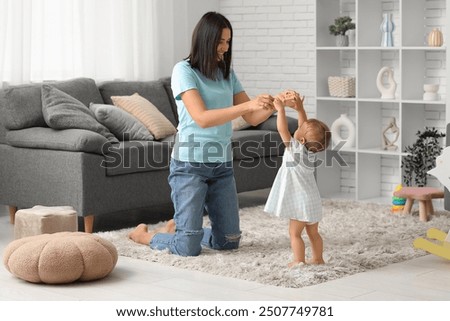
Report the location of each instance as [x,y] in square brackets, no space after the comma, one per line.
[179,22]
[273,45]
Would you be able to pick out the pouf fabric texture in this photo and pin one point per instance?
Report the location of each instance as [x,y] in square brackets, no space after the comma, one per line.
[45,219]
[62,257]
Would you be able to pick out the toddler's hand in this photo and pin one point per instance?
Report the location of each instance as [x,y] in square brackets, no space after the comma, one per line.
[297,101]
[289,97]
[278,103]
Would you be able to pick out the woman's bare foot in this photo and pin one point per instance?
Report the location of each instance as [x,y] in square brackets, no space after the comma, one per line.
[141,235]
[170,226]
[295,263]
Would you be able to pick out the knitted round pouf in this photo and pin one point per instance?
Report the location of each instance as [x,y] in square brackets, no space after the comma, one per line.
[62,257]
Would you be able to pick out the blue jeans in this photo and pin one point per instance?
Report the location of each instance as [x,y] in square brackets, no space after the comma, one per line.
[197,187]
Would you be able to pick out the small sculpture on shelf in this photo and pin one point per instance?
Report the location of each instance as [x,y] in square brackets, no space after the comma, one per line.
[391,129]
[387,92]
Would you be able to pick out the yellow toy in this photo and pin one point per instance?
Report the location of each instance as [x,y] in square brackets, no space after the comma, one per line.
[439,247]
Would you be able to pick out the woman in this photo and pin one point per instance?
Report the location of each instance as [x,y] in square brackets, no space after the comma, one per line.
[208,96]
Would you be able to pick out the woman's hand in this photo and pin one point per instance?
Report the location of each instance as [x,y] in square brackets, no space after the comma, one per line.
[263,101]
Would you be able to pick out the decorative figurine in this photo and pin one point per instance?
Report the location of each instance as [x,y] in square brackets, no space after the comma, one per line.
[392,128]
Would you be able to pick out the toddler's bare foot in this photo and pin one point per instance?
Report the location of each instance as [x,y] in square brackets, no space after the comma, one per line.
[315,261]
[295,263]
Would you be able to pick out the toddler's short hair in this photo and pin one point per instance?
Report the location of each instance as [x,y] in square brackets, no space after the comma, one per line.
[317,135]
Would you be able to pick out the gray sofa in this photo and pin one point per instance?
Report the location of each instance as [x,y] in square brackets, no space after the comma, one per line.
[81,168]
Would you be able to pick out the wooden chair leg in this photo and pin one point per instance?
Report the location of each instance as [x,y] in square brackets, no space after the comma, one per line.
[408,206]
[12,214]
[423,211]
[430,209]
[89,223]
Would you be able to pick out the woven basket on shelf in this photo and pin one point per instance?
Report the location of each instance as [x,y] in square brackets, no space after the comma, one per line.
[341,86]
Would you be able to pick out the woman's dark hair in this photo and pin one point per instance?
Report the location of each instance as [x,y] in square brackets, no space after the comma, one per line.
[205,39]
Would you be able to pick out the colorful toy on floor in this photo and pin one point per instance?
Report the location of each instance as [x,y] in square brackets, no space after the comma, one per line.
[440,244]
[398,203]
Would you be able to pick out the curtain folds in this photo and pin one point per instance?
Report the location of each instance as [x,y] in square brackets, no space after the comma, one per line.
[102,39]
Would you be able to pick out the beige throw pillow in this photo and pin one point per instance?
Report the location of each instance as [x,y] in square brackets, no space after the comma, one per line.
[147,113]
[239,123]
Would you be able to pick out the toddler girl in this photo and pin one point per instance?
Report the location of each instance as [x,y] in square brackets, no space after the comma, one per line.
[294,193]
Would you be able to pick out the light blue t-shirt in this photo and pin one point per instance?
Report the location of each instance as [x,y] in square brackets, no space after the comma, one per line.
[193,143]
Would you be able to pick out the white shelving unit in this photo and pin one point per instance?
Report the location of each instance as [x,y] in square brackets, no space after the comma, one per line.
[372,173]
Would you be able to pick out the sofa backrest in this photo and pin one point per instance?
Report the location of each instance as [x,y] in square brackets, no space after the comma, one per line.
[21,106]
[155,91]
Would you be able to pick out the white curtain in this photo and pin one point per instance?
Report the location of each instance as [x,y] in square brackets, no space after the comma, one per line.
[101,39]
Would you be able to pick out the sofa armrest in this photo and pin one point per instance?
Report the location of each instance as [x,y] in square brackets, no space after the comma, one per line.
[75,140]
[271,124]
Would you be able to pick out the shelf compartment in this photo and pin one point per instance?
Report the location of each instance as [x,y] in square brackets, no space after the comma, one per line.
[338,62]
[327,11]
[421,67]
[370,16]
[370,63]
[416,117]
[419,18]
[329,111]
[373,118]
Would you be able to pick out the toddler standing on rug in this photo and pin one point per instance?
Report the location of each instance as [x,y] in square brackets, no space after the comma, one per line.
[294,193]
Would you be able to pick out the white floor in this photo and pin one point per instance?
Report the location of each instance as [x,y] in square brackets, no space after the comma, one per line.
[423,279]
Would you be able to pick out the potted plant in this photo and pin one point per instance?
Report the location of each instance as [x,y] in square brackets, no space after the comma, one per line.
[339,28]
[421,156]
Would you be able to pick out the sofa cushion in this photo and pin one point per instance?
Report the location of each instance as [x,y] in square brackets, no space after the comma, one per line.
[62,111]
[21,106]
[75,140]
[121,123]
[256,143]
[271,124]
[239,123]
[153,91]
[137,156]
[166,81]
[147,113]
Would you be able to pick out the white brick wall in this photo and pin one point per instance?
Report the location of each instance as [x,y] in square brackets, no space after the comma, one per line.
[273,45]
[273,49]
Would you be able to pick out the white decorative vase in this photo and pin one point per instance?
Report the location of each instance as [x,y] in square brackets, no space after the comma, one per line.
[351,34]
[387,27]
[341,41]
[343,121]
[387,92]
[435,38]
[430,92]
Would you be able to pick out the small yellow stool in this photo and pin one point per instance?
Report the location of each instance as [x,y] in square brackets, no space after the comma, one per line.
[439,247]
[424,195]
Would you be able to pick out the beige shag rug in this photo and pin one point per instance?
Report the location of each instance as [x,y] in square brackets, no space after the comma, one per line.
[357,237]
